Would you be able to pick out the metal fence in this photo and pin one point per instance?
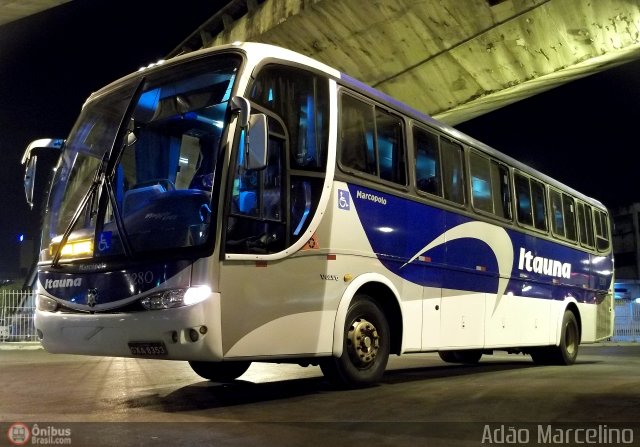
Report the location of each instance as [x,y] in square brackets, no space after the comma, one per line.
[17,309]
[627,321]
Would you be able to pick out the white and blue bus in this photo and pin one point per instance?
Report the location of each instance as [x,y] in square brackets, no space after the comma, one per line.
[245,203]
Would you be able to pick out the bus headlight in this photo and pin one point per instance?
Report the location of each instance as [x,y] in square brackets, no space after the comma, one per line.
[175,298]
[195,295]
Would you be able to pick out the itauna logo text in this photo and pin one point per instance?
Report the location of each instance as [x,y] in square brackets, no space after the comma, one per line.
[62,283]
[544,266]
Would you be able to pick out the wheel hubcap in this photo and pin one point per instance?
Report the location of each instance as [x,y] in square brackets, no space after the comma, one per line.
[363,342]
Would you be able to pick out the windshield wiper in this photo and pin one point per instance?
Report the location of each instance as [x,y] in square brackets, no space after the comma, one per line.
[95,184]
[107,164]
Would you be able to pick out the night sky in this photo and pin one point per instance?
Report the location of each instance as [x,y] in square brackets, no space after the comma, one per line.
[582,133]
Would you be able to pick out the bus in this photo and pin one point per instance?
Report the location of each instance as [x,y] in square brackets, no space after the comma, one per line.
[246,203]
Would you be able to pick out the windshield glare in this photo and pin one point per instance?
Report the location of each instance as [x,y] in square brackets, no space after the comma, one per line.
[159,193]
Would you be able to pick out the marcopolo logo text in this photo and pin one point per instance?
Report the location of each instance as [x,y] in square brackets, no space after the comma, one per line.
[371,197]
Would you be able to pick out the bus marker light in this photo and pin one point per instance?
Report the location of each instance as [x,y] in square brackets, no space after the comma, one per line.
[331,257]
[348,277]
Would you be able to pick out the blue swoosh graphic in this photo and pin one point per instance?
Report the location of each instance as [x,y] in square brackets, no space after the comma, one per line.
[495,237]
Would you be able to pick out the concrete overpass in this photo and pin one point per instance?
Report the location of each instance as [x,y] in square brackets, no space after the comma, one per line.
[11,10]
[453,59]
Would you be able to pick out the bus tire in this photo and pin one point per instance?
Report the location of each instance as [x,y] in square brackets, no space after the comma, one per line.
[365,349]
[468,356]
[565,353]
[220,371]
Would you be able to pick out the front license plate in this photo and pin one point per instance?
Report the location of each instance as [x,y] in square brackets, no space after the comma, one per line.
[148,349]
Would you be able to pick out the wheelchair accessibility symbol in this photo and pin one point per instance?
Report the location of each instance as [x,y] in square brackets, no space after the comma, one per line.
[104,241]
[344,200]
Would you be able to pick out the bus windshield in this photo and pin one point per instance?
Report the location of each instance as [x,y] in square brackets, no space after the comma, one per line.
[156,191]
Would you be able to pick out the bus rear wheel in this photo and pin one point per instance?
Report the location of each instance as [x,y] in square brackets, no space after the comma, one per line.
[565,353]
[365,349]
[220,371]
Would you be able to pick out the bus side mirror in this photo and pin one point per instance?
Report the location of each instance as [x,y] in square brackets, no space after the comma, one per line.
[29,180]
[256,142]
[29,160]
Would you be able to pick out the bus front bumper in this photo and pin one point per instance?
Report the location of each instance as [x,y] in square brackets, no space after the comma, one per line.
[182,333]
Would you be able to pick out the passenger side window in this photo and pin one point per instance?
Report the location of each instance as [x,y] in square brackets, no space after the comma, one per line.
[490,185]
[356,144]
[585,225]
[569,212]
[531,203]
[557,216]
[502,190]
[390,141]
[602,230]
[452,171]
[427,162]
[539,205]
[563,221]
[371,140]
[481,191]
[523,200]
[438,166]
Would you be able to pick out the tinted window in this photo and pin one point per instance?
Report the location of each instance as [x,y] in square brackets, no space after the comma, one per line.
[371,140]
[481,190]
[300,99]
[585,224]
[390,147]
[538,204]
[602,230]
[523,200]
[427,162]
[568,209]
[452,177]
[531,202]
[557,216]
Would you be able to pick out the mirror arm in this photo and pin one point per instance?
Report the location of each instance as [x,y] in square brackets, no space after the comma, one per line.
[37,145]
[242,107]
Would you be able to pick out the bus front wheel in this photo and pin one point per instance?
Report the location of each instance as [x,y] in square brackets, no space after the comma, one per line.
[220,371]
[365,349]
